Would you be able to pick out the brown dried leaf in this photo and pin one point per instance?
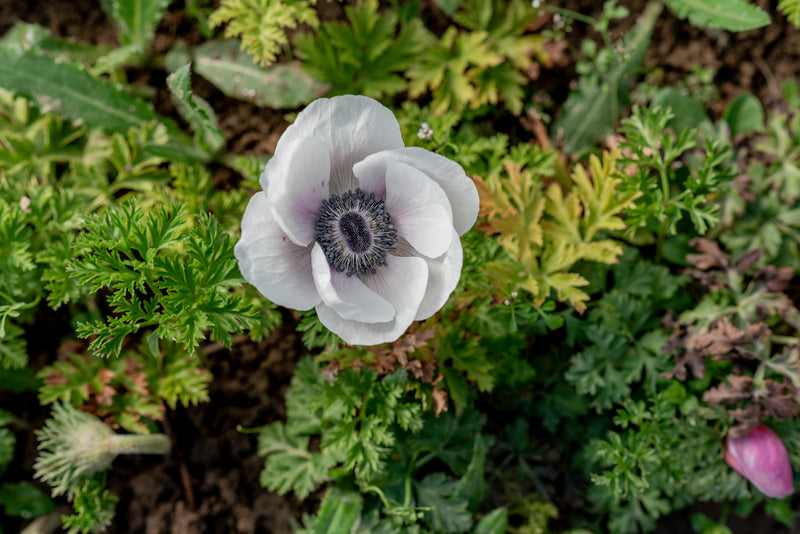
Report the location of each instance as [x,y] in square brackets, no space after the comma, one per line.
[721,338]
[385,363]
[330,371]
[758,331]
[710,255]
[743,185]
[106,396]
[137,377]
[70,346]
[557,53]
[737,389]
[439,401]
[693,360]
[748,260]
[747,419]
[713,280]
[780,400]
[774,278]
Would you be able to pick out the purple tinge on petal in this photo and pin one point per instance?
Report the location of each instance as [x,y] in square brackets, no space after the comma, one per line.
[347,295]
[761,458]
[449,175]
[420,209]
[402,282]
[352,127]
[268,259]
[296,181]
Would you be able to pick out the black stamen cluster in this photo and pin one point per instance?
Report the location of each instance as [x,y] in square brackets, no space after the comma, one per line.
[355,231]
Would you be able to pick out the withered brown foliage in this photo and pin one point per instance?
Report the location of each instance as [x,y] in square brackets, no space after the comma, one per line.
[740,334]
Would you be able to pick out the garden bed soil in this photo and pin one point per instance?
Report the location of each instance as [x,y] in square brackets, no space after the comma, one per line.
[209,482]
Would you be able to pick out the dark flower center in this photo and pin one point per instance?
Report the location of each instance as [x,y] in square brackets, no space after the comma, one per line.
[355,231]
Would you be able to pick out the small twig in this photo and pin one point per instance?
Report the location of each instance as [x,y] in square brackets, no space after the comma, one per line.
[186,478]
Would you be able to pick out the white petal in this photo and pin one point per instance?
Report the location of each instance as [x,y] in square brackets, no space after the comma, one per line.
[352,127]
[402,282]
[443,275]
[460,189]
[419,208]
[296,182]
[347,295]
[279,269]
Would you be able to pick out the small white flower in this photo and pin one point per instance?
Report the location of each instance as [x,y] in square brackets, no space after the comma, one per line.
[535,4]
[25,204]
[425,132]
[355,224]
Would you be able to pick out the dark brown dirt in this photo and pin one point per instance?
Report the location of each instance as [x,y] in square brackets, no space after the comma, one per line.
[209,483]
[756,61]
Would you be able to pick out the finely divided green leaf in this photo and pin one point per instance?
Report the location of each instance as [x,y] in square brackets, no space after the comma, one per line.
[791,10]
[445,510]
[290,466]
[731,15]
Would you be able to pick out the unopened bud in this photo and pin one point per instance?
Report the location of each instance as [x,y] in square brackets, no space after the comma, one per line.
[761,458]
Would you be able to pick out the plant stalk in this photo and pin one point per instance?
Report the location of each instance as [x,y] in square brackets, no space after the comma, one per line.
[139,444]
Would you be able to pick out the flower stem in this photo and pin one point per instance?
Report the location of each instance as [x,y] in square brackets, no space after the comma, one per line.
[139,444]
[569,13]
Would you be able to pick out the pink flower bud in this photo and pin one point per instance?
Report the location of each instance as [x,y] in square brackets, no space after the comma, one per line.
[761,458]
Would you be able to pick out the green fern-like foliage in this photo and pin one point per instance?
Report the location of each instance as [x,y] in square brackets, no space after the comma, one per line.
[94,506]
[367,55]
[791,10]
[165,270]
[356,416]
[262,24]
[546,231]
[481,66]
[670,195]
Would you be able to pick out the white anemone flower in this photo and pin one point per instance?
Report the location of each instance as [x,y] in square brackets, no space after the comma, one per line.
[355,224]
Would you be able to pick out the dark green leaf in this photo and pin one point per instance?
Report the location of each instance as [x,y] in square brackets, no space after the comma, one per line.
[25,500]
[445,511]
[197,112]
[448,6]
[136,20]
[338,513]
[281,86]
[686,113]
[592,110]
[495,522]
[744,115]
[70,91]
